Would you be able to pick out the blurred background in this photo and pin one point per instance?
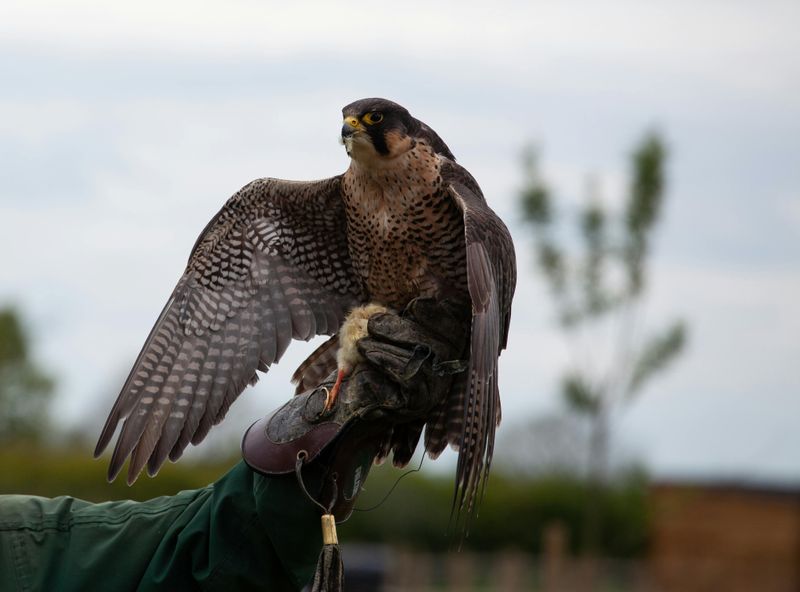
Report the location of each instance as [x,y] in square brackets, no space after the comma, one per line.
[646,158]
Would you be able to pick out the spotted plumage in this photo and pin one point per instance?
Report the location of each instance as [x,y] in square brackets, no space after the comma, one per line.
[287,260]
[405,232]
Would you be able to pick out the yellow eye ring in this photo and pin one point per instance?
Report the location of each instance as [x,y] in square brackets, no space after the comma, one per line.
[373,117]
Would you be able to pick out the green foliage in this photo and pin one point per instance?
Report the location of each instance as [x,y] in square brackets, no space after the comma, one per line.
[579,395]
[647,188]
[25,390]
[593,226]
[535,198]
[537,209]
[597,286]
[52,472]
[584,293]
[643,207]
[552,263]
[514,513]
[13,345]
[656,354]
[583,284]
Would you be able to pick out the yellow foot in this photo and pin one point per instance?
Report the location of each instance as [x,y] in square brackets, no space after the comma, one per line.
[330,400]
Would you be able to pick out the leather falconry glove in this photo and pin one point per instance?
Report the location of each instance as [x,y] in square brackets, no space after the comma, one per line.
[409,362]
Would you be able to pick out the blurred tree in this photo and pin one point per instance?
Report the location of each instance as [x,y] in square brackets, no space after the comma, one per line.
[25,389]
[598,289]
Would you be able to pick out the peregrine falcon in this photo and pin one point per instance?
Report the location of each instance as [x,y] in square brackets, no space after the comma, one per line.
[287,260]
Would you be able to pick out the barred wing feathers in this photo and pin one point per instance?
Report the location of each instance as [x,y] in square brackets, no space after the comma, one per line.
[474,409]
[272,266]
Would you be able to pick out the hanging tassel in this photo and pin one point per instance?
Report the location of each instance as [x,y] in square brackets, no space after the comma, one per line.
[329,576]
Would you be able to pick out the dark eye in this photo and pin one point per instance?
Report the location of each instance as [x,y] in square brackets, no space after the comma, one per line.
[373,118]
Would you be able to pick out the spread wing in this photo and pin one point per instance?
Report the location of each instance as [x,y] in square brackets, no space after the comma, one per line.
[491,277]
[271,266]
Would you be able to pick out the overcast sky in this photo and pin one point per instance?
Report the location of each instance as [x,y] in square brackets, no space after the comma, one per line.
[125,126]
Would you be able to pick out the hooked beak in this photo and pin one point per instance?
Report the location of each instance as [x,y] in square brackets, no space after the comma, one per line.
[350,126]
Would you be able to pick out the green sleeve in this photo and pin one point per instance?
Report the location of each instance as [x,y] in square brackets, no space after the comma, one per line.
[244,532]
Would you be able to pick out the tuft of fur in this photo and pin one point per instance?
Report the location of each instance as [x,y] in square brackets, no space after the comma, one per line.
[353,329]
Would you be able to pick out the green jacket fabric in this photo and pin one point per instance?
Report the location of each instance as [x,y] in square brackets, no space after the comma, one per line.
[243,532]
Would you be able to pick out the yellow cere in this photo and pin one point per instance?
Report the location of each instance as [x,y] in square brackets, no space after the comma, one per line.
[352,122]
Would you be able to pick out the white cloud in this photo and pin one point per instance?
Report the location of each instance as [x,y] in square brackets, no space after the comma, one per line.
[744,45]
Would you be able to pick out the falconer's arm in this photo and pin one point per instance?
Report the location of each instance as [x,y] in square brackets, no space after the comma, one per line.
[250,530]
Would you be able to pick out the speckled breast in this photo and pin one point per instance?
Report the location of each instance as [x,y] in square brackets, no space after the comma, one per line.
[406,233]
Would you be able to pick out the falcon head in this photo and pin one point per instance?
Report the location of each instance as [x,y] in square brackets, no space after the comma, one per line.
[376,130]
